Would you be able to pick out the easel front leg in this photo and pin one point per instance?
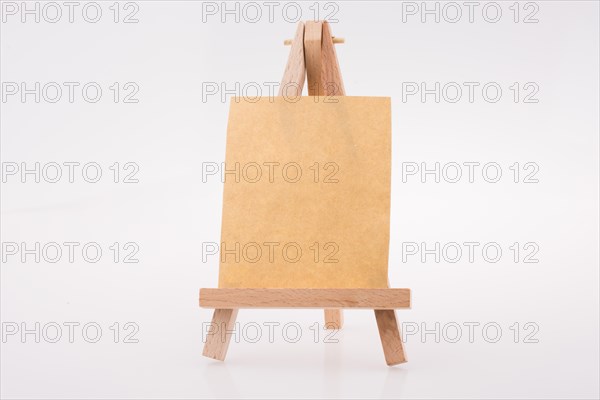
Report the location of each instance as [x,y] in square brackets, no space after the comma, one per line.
[390,337]
[218,337]
[334,319]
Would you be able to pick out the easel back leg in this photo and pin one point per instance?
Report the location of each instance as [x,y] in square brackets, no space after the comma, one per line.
[334,319]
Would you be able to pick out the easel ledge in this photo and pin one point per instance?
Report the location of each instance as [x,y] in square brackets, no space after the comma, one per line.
[381,299]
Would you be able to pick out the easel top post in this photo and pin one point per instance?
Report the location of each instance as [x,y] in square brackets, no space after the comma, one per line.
[313,57]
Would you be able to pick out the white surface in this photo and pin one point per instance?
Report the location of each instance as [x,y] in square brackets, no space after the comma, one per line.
[170,212]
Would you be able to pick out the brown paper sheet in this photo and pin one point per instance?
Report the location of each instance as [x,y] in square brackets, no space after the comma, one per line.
[306,200]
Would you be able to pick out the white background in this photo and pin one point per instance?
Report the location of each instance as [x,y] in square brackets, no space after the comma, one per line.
[169,54]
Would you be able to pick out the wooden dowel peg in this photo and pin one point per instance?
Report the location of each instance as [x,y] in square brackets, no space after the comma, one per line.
[336,40]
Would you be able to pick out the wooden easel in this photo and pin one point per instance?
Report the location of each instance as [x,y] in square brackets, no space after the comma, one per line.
[312,56]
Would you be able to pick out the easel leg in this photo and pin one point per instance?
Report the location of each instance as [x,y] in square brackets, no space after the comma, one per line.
[390,337]
[217,340]
[334,319]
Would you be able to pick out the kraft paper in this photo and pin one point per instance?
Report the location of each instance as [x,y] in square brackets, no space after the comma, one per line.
[306,200]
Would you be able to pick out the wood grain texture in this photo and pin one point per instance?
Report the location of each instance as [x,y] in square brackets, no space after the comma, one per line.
[333,85]
[336,40]
[385,299]
[217,340]
[312,55]
[294,76]
[331,75]
[334,318]
[390,337]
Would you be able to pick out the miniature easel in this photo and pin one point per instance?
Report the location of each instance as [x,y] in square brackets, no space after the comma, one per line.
[312,56]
